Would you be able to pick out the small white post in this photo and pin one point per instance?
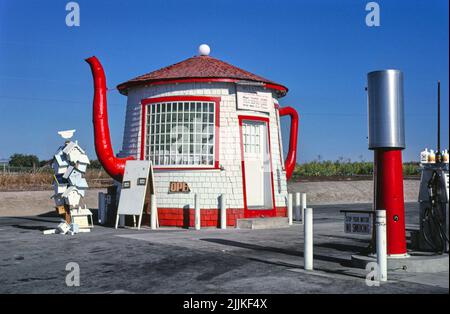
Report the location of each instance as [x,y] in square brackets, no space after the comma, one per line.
[308,234]
[303,207]
[380,224]
[120,220]
[197,212]
[289,203]
[117,221]
[297,206]
[153,212]
[223,212]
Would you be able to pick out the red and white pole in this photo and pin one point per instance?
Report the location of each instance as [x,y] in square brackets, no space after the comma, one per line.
[387,139]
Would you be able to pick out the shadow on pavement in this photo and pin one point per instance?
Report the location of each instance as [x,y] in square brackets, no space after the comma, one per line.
[346,238]
[40,228]
[255,247]
[37,219]
[343,247]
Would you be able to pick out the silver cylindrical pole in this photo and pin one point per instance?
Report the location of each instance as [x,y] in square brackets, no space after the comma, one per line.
[223,212]
[303,207]
[380,224]
[289,203]
[386,116]
[153,212]
[297,210]
[308,234]
[197,212]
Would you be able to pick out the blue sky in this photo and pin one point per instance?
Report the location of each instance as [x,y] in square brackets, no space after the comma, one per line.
[321,50]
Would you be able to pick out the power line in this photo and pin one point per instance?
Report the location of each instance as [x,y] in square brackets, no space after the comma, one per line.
[358,114]
[55,100]
[117,104]
[63,82]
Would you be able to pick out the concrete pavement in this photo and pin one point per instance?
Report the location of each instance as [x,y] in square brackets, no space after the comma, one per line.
[189,261]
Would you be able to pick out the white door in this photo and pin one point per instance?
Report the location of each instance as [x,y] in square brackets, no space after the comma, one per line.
[256,161]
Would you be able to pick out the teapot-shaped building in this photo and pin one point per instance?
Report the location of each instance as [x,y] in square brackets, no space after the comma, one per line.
[209,128]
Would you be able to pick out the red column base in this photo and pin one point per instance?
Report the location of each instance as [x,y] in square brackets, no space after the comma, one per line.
[388,184]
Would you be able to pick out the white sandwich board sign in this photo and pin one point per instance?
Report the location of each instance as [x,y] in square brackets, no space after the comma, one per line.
[137,179]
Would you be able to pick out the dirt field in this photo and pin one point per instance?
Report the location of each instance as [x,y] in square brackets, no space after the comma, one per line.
[346,192]
[27,203]
[30,203]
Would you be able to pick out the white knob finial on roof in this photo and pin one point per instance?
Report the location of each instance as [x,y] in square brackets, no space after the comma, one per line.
[204,50]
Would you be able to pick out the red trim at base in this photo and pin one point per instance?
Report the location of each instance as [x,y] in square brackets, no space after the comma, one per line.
[184,217]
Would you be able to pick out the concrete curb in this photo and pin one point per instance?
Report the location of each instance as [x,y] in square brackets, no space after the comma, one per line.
[417,262]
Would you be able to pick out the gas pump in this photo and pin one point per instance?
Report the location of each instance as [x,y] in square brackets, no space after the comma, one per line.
[387,139]
[433,199]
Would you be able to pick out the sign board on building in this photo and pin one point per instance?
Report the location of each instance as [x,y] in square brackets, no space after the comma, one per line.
[358,222]
[254,101]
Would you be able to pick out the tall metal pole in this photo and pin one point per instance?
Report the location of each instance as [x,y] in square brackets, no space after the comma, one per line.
[438,153]
[387,139]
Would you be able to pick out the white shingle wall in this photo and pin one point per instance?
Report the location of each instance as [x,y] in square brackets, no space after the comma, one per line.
[209,184]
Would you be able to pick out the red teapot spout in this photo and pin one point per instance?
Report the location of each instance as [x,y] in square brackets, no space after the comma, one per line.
[114,166]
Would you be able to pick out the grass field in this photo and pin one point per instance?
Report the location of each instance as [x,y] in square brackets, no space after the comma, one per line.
[345,169]
[42,180]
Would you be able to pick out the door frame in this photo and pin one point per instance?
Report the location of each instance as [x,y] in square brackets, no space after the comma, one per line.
[250,213]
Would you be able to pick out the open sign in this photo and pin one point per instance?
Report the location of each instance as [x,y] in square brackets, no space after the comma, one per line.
[179,187]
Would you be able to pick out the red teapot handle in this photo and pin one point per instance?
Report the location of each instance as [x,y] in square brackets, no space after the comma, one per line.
[291,158]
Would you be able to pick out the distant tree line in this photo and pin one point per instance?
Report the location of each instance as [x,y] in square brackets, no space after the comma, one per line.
[21,160]
[32,161]
[318,167]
